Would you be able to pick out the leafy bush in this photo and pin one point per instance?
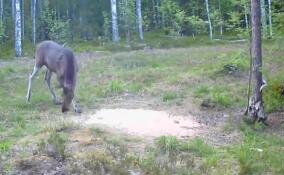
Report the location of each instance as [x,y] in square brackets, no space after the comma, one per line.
[53,28]
[274,96]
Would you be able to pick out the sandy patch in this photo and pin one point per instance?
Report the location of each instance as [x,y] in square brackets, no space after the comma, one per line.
[143,122]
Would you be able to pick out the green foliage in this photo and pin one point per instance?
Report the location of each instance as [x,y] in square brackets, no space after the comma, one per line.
[54,28]
[127,18]
[174,17]
[107,26]
[197,24]
[274,94]
[279,23]
[5,146]
[2,34]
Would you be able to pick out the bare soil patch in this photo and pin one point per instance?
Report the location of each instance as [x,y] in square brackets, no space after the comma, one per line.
[143,122]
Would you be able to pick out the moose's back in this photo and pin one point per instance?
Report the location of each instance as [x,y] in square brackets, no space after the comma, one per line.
[55,57]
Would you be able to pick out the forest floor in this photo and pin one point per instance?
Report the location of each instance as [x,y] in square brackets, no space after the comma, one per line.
[196,96]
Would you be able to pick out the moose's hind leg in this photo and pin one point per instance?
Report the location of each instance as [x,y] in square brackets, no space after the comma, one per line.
[31,77]
[76,107]
[47,79]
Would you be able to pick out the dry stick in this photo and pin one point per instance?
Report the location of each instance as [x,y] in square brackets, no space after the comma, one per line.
[249,83]
[250,73]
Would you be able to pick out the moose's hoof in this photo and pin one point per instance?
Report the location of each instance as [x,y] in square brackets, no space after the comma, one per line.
[78,110]
[28,99]
[64,110]
[57,102]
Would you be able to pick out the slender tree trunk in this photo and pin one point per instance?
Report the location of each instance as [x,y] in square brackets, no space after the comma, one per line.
[115,34]
[209,20]
[154,14]
[34,3]
[23,18]
[263,18]
[57,10]
[18,28]
[126,19]
[220,10]
[160,15]
[270,18]
[31,9]
[246,16]
[13,9]
[1,13]
[256,109]
[139,19]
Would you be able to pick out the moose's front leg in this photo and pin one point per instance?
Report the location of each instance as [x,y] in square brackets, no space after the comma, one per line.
[31,77]
[47,79]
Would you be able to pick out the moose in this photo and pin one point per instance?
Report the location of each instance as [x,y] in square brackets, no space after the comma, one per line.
[61,61]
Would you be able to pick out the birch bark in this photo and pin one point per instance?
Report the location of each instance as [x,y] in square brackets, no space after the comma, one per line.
[115,34]
[18,29]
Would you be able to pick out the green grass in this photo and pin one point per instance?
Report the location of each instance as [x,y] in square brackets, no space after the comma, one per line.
[219,95]
[171,77]
[168,96]
[260,152]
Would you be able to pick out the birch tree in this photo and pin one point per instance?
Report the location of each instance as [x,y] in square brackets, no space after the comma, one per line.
[23,17]
[18,28]
[256,109]
[139,19]
[263,18]
[34,3]
[209,20]
[221,22]
[270,18]
[115,34]
[246,14]
[1,22]
[1,13]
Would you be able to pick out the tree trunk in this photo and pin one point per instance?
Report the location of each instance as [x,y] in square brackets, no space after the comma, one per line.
[246,16]
[1,13]
[209,20]
[154,14]
[139,19]
[23,18]
[18,28]
[220,10]
[270,18]
[34,2]
[256,109]
[126,19]
[160,15]
[246,19]
[115,34]
[13,9]
[263,18]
